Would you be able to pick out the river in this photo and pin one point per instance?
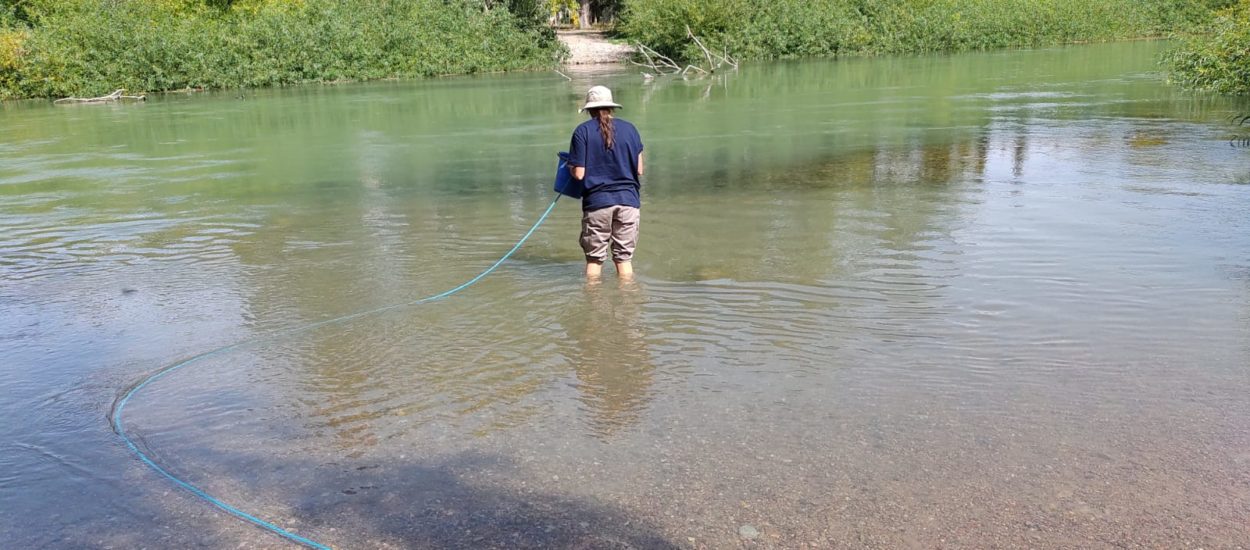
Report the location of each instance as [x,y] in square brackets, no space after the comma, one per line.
[983,300]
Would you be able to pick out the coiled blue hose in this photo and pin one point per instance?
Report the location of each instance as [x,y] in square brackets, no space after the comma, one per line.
[120,428]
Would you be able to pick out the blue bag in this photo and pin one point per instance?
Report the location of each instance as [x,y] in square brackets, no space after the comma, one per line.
[565,184]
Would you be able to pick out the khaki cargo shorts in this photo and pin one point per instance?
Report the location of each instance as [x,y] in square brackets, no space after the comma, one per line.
[616,226]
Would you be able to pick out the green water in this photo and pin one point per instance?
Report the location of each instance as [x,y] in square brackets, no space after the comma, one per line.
[994,299]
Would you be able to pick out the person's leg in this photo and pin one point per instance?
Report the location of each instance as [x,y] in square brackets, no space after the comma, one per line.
[596,237]
[624,239]
[594,269]
[625,269]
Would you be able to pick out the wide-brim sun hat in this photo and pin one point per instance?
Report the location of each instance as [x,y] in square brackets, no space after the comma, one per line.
[598,97]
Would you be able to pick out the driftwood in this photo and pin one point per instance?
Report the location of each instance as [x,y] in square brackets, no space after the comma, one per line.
[712,65]
[662,65]
[115,96]
[657,61]
[1241,140]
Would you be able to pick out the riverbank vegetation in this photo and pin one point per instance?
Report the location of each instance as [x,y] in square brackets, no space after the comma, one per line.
[56,48]
[772,29]
[1217,60]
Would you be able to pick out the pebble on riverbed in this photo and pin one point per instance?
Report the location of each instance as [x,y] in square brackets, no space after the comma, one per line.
[748,532]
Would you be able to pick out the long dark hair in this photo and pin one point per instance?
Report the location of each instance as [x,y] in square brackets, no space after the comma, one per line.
[604,116]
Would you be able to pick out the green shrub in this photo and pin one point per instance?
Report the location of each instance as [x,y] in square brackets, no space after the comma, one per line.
[763,29]
[1219,61]
[661,25]
[12,13]
[954,25]
[12,49]
[90,47]
[1183,16]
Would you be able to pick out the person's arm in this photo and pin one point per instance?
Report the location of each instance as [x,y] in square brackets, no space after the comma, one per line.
[641,149]
[577,156]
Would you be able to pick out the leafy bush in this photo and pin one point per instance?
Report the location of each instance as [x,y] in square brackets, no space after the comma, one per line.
[12,44]
[954,25]
[764,29]
[12,12]
[90,47]
[793,29]
[1183,16]
[661,25]
[1219,61]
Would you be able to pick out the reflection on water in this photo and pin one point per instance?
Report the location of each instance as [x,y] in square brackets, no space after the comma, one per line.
[977,299]
[609,355]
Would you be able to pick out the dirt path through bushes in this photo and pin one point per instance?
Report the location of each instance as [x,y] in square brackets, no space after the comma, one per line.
[593,47]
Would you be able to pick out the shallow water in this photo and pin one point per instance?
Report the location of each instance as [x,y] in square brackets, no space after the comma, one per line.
[994,299]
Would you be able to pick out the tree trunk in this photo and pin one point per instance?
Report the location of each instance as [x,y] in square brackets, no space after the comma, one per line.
[583,22]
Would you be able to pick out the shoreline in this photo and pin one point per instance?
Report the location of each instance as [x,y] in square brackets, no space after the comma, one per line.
[591,47]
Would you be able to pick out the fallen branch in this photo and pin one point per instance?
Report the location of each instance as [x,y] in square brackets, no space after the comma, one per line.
[1241,140]
[662,65]
[665,64]
[690,67]
[708,55]
[115,96]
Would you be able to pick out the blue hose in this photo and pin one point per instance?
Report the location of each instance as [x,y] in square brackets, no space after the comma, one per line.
[120,428]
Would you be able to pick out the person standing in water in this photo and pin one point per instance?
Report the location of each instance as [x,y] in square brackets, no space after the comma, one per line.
[605,154]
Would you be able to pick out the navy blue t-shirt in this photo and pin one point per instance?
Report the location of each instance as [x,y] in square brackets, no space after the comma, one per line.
[611,174]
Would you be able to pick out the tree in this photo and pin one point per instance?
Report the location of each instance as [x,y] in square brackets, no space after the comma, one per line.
[597,11]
